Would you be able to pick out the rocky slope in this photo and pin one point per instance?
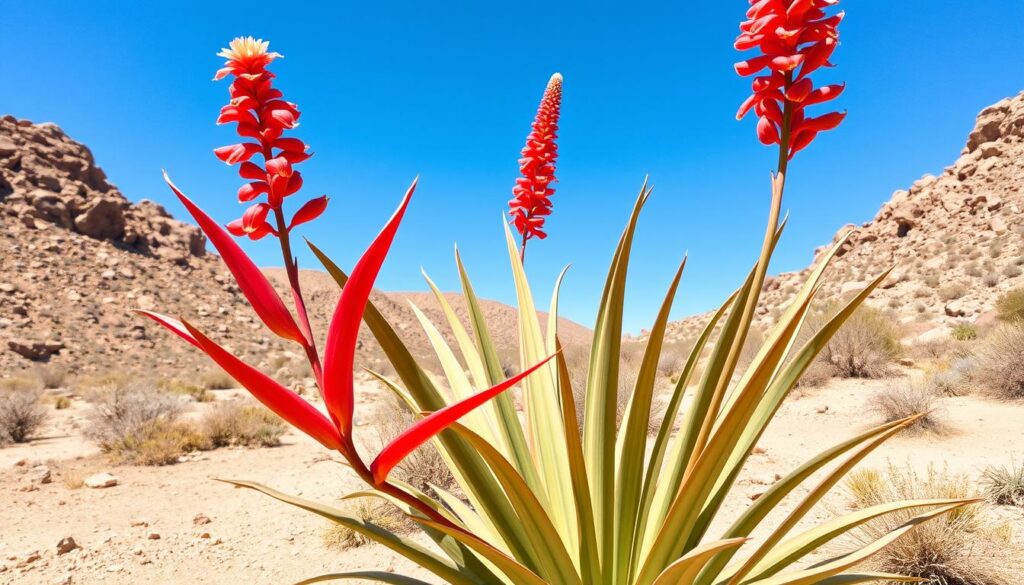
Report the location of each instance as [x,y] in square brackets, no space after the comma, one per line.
[76,256]
[955,239]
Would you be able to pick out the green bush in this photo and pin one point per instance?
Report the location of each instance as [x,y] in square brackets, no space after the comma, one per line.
[964,332]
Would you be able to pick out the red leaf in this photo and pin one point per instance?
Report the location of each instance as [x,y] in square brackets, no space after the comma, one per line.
[424,429]
[172,325]
[253,284]
[287,404]
[340,348]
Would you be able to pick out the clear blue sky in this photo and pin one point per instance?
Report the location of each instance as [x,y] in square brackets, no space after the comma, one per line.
[390,90]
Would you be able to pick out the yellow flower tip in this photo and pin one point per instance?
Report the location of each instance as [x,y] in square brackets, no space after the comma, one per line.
[245,48]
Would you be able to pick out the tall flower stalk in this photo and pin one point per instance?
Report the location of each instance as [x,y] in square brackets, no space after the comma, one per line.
[531,196]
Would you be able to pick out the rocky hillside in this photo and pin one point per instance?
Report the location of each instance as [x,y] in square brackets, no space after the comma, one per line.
[76,256]
[956,239]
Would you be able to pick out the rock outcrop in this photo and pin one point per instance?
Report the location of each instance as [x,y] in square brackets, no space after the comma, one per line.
[954,238]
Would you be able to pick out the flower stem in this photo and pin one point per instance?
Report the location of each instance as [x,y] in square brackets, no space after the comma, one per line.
[292,269]
[522,250]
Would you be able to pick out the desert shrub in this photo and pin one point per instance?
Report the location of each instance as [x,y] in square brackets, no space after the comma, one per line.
[61,402]
[1019,260]
[22,413]
[425,467]
[91,383]
[20,383]
[138,425]
[922,292]
[673,357]
[242,423]
[175,386]
[894,303]
[816,375]
[954,380]
[965,547]
[901,399]
[864,347]
[920,307]
[973,269]
[964,332]
[1004,485]
[1011,271]
[999,369]
[216,379]
[51,376]
[372,510]
[932,280]
[990,280]
[1010,306]
[952,291]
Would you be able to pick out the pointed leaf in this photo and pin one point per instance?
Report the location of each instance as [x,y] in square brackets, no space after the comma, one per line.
[407,442]
[380,576]
[287,404]
[343,335]
[689,565]
[251,281]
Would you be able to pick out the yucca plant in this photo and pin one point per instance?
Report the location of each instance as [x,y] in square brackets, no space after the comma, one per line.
[542,502]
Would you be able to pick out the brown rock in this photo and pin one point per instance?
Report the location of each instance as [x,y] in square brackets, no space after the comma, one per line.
[102,219]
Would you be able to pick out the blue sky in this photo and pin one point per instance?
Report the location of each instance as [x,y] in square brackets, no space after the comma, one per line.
[391,90]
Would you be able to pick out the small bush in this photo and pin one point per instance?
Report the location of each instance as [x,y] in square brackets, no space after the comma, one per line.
[964,332]
[22,413]
[1004,485]
[51,376]
[20,383]
[953,381]
[425,466]
[932,280]
[1011,271]
[864,347]
[243,424]
[991,279]
[952,291]
[965,547]
[999,368]
[138,425]
[900,400]
[217,379]
[1010,306]
[921,293]
[816,375]
[372,510]
[61,402]
[197,393]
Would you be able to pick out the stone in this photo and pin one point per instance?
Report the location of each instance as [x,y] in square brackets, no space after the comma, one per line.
[102,219]
[100,481]
[35,350]
[40,474]
[66,545]
[201,520]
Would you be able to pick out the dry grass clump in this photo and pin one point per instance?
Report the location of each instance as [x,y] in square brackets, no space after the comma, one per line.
[196,393]
[900,400]
[964,332]
[373,511]
[138,425]
[964,547]
[1004,485]
[816,375]
[673,358]
[1011,271]
[22,413]
[425,467]
[954,380]
[864,347]
[999,369]
[51,376]
[952,291]
[217,379]
[242,423]
[1010,306]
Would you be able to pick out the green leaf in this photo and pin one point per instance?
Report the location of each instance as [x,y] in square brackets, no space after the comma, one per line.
[381,576]
[405,547]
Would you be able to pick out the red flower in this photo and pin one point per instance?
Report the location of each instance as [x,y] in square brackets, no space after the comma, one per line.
[262,116]
[795,37]
[531,202]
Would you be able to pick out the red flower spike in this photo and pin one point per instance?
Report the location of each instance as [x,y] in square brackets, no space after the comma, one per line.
[795,39]
[253,284]
[340,349]
[424,429]
[260,114]
[531,201]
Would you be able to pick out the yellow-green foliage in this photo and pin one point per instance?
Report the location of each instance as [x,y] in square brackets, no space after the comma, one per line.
[175,386]
[1010,306]
[964,332]
[242,424]
[545,499]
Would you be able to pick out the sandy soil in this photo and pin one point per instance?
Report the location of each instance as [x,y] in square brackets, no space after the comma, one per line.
[150,528]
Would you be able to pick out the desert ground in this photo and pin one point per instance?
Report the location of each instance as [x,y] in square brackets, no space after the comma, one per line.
[174,522]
